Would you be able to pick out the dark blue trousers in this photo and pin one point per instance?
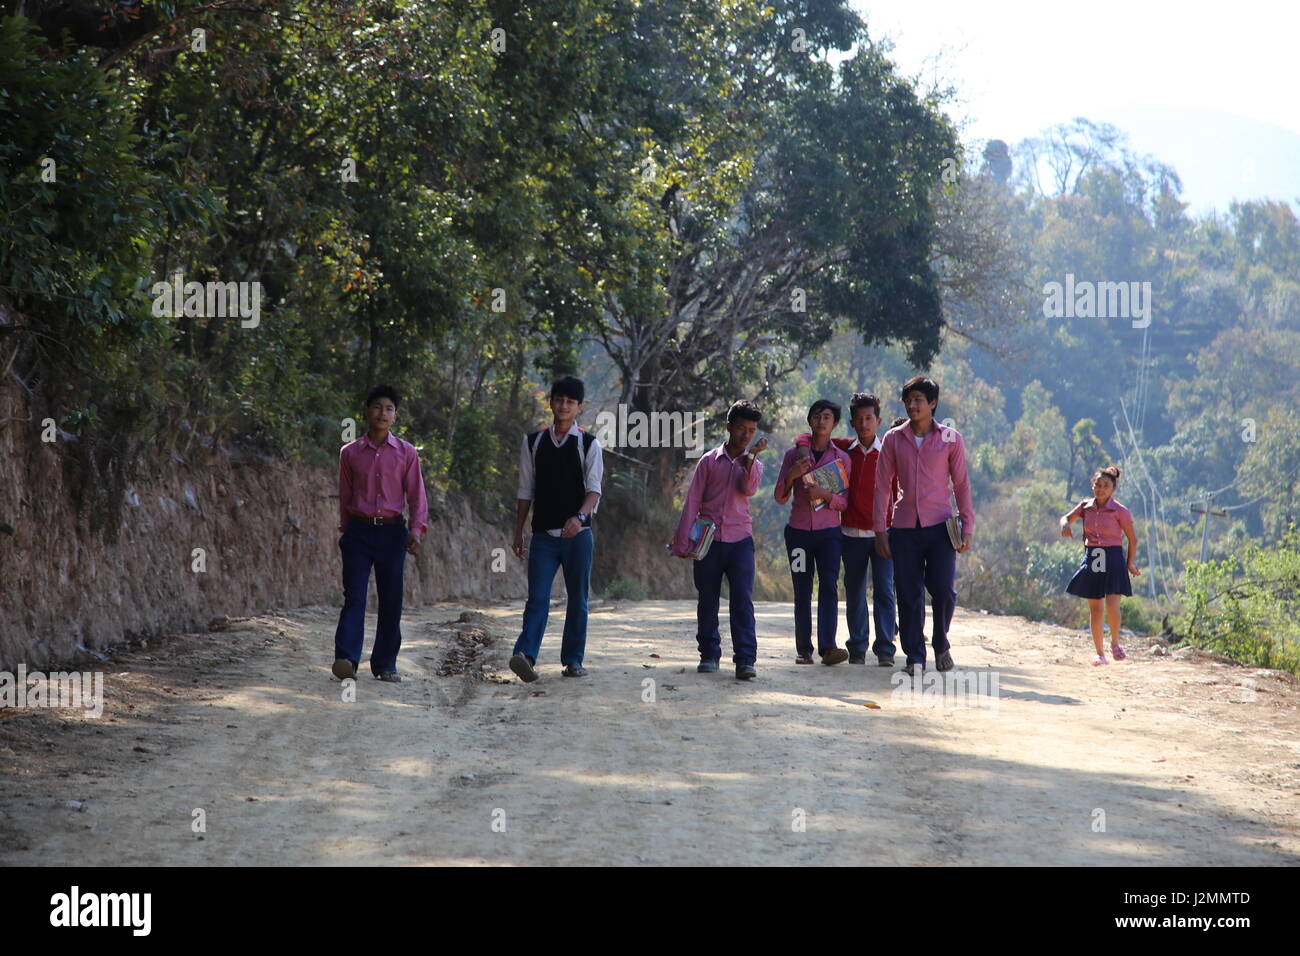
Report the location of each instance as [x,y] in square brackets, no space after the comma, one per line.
[821,549]
[859,557]
[735,561]
[923,561]
[546,555]
[383,547]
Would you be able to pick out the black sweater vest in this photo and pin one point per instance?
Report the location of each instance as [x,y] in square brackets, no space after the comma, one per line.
[559,485]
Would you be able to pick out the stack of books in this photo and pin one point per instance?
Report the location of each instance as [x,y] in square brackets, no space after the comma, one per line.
[702,532]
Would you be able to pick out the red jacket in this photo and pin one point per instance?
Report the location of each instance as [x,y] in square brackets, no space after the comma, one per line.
[862,482]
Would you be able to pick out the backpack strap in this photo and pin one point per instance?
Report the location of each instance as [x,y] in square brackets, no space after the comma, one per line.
[585,438]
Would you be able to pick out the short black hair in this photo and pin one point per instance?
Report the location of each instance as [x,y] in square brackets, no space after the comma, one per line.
[898,421]
[863,400]
[824,404]
[384,391]
[919,383]
[568,387]
[743,410]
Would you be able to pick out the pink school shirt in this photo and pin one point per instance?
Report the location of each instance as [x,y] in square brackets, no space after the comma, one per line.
[380,481]
[923,477]
[1103,527]
[720,490]
[802,515]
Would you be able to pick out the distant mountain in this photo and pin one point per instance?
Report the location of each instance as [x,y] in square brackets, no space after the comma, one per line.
[1218,156]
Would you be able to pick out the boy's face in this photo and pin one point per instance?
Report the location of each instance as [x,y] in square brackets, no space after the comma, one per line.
[919,408]
[865,423]
[822,423]
[380,414]
[741,432]
[565,409]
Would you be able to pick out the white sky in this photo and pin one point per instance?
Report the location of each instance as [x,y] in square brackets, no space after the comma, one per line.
[1022,66]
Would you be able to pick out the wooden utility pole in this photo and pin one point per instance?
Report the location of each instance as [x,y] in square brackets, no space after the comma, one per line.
[1205,524]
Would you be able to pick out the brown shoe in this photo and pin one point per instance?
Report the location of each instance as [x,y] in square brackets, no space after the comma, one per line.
[836,655]
[344,668]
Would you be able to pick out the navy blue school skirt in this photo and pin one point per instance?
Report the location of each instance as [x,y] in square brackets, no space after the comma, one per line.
[1088,583]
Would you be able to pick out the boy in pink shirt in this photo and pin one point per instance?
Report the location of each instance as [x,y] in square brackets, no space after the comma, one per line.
[721,486]
[812,536]
[927,459]
[379,476]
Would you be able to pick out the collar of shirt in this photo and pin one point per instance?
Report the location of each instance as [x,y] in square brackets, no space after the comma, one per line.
[1092,503]
[557,442]
[722,453]
[388,440]
[876,445]
[912,436]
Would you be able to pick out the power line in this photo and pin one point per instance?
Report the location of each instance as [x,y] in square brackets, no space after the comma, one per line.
[1157,516]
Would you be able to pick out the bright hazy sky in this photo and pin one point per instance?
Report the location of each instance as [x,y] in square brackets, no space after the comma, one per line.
[1025,65]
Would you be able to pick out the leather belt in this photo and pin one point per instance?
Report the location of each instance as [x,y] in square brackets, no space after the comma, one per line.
[377,519]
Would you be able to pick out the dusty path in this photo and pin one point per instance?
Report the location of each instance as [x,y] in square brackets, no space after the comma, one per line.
[1191,761]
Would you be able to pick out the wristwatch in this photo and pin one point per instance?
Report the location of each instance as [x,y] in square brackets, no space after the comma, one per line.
[584,520]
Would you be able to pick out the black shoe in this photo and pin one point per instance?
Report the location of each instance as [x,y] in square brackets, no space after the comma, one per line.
[944,663]
[575,670]
[858,658]
[344,668]
[707,667]
[391,677]
[910,669]
[745,672]
[835,655]
[524,668]
[803,659]
[885,661]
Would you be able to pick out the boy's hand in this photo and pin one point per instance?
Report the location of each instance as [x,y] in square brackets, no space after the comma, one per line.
[413,544]
[882,546]
[817,493]
[965,543]
[800,467]
[519,544]
[758,446]
[571,528]
[1065,530]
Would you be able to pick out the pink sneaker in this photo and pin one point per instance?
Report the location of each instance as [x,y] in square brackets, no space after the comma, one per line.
[1099,659]
[1118,652]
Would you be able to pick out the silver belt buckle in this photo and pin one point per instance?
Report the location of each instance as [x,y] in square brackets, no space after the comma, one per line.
[375,519]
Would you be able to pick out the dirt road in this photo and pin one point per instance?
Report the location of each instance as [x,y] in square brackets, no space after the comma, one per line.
[1166,760]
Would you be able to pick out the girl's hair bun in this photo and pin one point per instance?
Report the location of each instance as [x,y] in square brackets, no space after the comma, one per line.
[1111,472]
